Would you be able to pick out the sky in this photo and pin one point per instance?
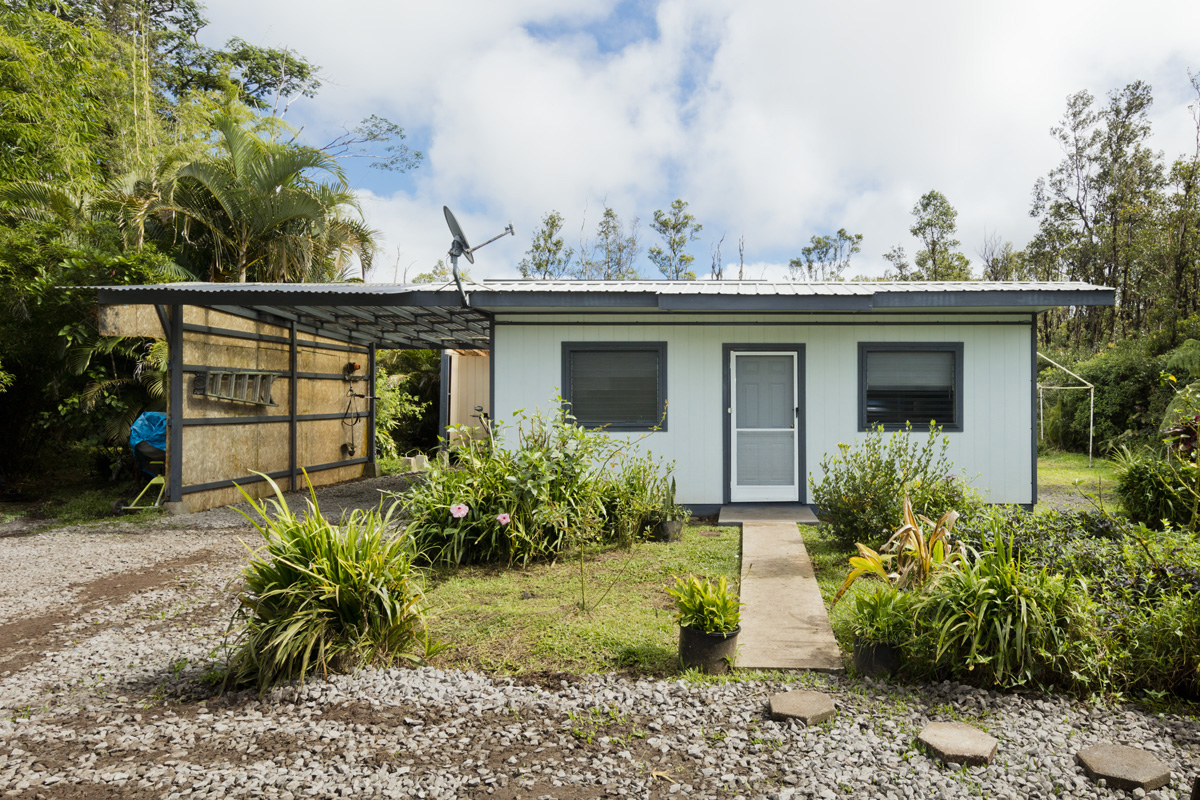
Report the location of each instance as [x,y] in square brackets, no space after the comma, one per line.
[775,121]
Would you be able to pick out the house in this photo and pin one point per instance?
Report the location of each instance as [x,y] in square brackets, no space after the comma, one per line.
[745,385]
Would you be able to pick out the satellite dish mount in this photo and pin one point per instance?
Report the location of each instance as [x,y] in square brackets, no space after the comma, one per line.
[461,247]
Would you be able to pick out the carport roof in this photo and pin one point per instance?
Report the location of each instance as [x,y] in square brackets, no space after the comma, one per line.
[435,315]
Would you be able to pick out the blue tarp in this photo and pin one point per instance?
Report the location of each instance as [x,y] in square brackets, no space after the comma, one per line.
[151,428]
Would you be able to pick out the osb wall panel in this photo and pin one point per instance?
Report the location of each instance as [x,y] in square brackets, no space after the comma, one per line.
[221,452]
[130,320]
[194,315]
[228,496]
[227,452]
[320,441]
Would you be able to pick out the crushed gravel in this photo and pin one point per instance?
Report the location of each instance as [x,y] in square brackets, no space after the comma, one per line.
[109,695]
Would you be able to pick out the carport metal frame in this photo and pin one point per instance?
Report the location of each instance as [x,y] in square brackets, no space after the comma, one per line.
[358,321]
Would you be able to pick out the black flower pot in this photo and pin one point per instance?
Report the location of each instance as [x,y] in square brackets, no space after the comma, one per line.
[669,530]
[712,653]
[876,659]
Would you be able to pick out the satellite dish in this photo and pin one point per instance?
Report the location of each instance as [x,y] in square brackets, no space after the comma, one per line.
[460,238]
[461,247]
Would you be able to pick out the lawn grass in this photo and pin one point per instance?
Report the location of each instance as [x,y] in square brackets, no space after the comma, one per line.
[1068,476]
[527,621]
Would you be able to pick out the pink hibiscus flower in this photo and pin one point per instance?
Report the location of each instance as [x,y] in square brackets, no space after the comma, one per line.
[458,510]
[503,519]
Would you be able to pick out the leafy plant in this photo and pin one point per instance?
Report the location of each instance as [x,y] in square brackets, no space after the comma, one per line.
[706,606]
[915,555]
[994,622]
[554,483]
[393,407]
[882,615]
[861,493]
[324,597]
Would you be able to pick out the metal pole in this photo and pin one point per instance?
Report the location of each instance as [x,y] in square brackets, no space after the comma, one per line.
[371,406]
[293,471]
[175,406]
[1091,421]
[1042,411]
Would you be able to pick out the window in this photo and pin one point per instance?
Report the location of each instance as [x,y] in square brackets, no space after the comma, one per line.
[910,382]
[618,385]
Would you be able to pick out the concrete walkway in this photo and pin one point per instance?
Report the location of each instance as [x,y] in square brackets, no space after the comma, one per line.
[784,624]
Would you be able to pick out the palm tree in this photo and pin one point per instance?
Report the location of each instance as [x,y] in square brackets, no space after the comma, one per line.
[256,211]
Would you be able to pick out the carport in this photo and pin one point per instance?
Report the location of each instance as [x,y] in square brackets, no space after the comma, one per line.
[279,378]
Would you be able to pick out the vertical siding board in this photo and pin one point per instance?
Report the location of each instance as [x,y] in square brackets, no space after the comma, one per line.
[996,386]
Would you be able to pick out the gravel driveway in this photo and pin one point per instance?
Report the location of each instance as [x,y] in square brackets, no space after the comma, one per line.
[107,635]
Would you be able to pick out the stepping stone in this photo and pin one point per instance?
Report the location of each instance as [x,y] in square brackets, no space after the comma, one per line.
[959,743]
[811,708]
[1123,767]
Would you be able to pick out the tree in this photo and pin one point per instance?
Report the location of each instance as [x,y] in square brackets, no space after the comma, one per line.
[936,224]
[547,257]
[253,209]
[1001,262]
[826,258]
[611,257]
[1096,209]
[677,228]
[901,270]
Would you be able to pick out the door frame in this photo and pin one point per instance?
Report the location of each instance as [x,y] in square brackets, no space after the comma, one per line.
[727,351]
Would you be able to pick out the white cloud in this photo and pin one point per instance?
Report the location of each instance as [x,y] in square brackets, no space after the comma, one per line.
[775,121]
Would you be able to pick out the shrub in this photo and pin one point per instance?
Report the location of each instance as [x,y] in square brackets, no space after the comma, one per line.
[1158,487]
[995,622]
[554,483]
[861,494]
[393,407]
[1077,544]
[1129,400]
[324,597]
[1158,647]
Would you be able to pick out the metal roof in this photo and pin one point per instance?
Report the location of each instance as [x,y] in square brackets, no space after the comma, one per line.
[434,315]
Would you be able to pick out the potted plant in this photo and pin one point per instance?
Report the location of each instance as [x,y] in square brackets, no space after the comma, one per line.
[668,521]
[881,623]
[709,616]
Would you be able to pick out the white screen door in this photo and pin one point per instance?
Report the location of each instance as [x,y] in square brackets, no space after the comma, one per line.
[763,428]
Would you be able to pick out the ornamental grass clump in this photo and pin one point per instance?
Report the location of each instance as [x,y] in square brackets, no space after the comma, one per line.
[320,597]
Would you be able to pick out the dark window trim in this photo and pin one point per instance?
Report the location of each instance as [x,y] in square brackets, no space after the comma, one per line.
[943,347]
[658,347]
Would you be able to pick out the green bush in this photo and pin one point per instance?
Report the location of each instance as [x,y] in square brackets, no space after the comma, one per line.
[862,493]
[994,621]
[1157,645]
[1157,487]
[394,408]
[320,597]
[1130,399]
[554,484]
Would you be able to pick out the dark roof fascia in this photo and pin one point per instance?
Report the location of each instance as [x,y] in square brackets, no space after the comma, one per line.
[738,302]
[490,300]
[162,294]
[496,301]
[1032,298]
